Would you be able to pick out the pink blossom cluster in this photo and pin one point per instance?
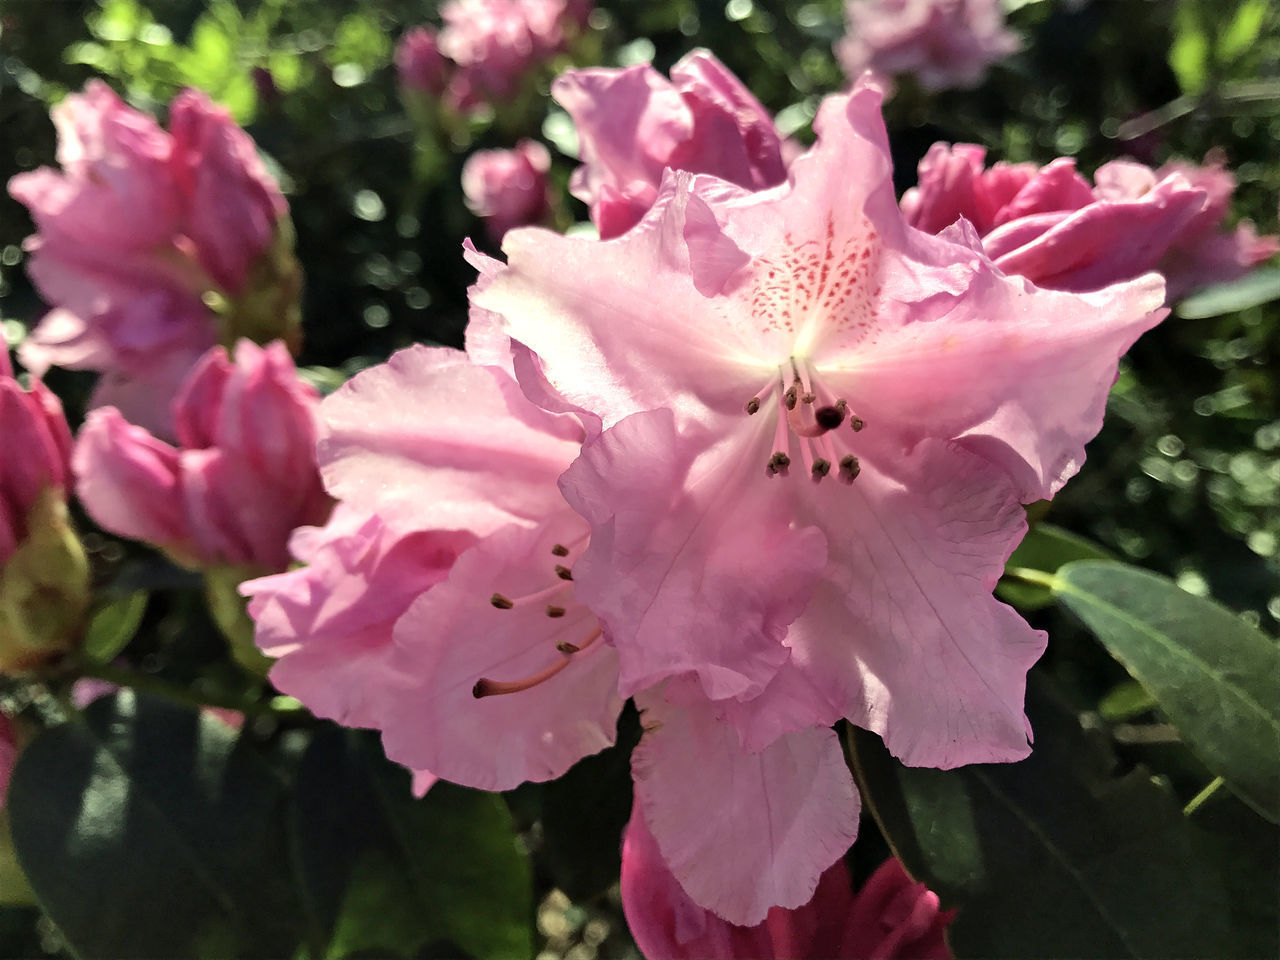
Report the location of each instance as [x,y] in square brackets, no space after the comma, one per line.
[31,421]
[486,48]
[242,477]
[508,188]
[942,43]
[1051,225]
[756,463]
[138,234]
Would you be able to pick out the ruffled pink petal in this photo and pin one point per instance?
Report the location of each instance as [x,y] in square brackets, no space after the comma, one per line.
[741,832]
[431,440]
[329,624]
[689,573]
[903,631]
[452,637]
[1056,186]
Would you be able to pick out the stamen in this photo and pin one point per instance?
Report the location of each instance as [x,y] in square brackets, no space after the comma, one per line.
[856,423]
[820,469]
[564,573]
[485,687]
[555,612]
[753,405]
[791,396]
[560,550]
[501,602]
[849,468]
[778,464]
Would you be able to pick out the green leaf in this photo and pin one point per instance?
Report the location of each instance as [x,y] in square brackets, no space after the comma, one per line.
[1251,290]
[1052,856]
[1215,676]
[1044,548]
[114,625]
[1125,701]
[385,873]
[1189,53]
[1247,850]
[1239,35]
[148,830]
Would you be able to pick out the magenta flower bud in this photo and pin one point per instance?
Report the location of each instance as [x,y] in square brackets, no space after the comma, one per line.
[508,188]
[242,478]
[420,66]
[38,449]
[633,123]
[942,43]
[232,204]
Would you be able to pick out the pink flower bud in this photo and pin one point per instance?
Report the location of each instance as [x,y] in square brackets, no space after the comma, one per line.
[232,204]
[942,43]
[243,478]
[420,65]
[634,123]
[508,188]
[37,448]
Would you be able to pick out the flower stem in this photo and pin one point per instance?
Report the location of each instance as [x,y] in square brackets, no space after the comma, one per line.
[1027,575]
[147,683]
[1198,800]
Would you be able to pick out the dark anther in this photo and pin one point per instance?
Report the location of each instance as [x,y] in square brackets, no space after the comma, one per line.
[564,573]
[560,550]
[849,468]
[820,468]
[501,602]
[791,396]
[554,611]
[856,423]
[481,689]
[753,405]
[828,418]
[565,647]
[808,397]
[778,463]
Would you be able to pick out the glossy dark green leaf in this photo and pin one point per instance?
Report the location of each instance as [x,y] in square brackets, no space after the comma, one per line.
[113,626]
[1044,548]
[1215,676]
[1247,851]
[1050,857]
[150,830]
[387,874]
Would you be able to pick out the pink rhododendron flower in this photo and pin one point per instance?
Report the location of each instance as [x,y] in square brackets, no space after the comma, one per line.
[420,66]
[497,673]
[634,123]
[892,916]
[37,445]
[242,478]
[819,427]
[508,188]
[496,43]
[138,229]
[942,43]
[1050,225]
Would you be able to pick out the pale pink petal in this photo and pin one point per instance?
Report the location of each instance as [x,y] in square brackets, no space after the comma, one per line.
[741,832]
[329,624]
[430,439]
[452,637]
[902,630]
[689,573]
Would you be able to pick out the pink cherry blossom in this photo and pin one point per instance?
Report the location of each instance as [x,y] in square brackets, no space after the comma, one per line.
[819,426]
[634,123]
[508,188]
[942,43]
[242,478]
[892,916]
[135,232]
[1051,226]
[37,446]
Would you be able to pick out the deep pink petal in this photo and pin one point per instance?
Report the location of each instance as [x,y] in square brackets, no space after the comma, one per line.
[452,637]
[741,832]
